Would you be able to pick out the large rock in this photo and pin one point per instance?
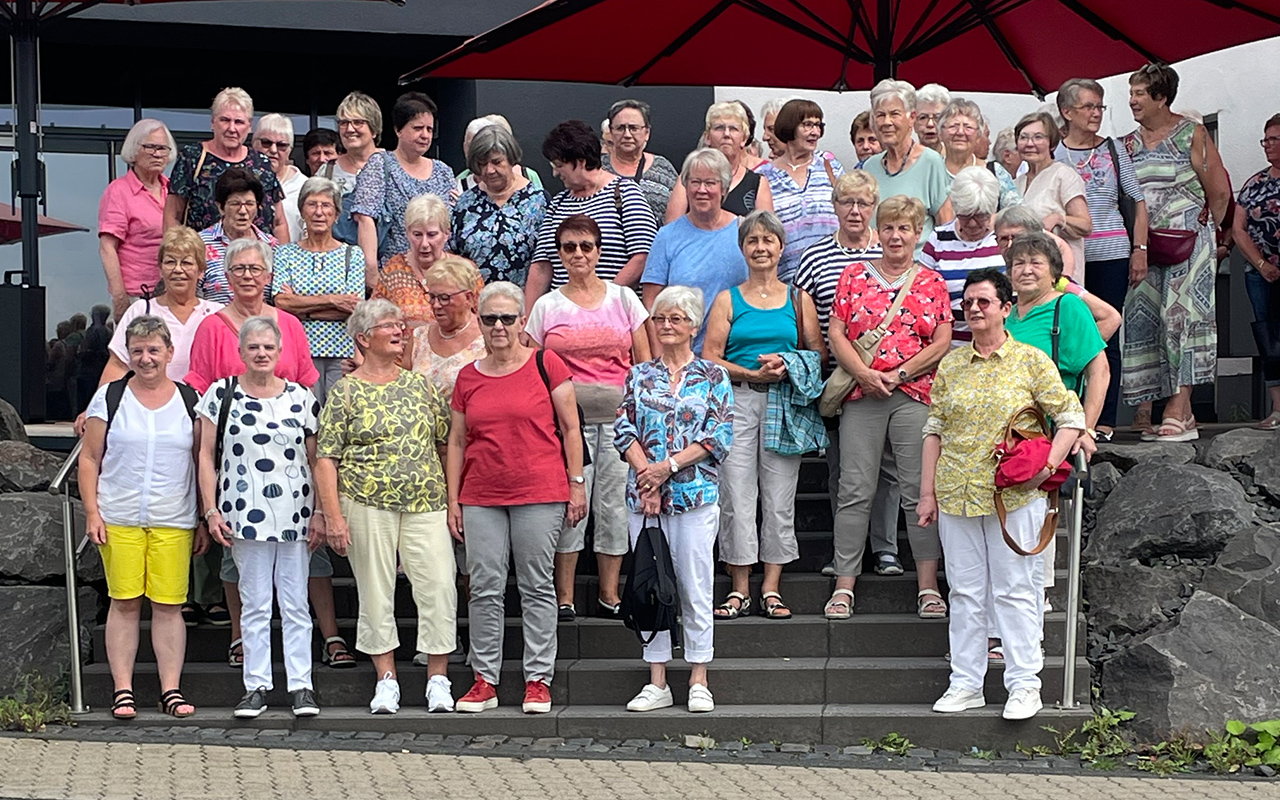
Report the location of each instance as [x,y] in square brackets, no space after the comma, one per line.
[1128,456]
[1130,598]
[1163,509]
[1103,477]
[34,621]
[1248,573]
[1233,447]
[1212,664]
[1265,463]
[31,549]
[24,468]
[11,427]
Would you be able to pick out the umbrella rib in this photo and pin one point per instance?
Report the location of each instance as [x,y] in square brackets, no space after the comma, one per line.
[1108,29]
[679,41]
[773,15]
[924,15]
[988,22]
[808,12]
[66,9]
[955,22]
[1230,4]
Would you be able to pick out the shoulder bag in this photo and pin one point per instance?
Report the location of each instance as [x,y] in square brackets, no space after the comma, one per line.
[1020,455]
[1127,205]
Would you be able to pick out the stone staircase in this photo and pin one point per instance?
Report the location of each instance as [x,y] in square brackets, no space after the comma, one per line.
[802,680]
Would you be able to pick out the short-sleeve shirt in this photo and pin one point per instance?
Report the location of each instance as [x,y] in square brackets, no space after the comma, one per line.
[213,284]
[182,333]
[513,456]
[264,481]
[148,474]
[656,182]
[400,284]
[384,437]
[1103,181]
[954,258]
[805,211]
[500,239]
[197,190]
[821,267]
[1054,187]
[1259,201]
[338,271]
[863,298]
[135,217]
[595,343]
[384,189]
[927,180]
[627,227]
[1078,339]
[215,352]
[685,255]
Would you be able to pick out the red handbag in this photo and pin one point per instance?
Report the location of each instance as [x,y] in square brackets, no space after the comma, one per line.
[1169,246]
[1020,456]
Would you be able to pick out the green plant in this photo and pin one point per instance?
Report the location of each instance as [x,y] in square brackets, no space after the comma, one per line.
[894,743]
[1104,764]
[1242,745]
[745,741]
[985,755]
[37,702]
[1160,765]
[1034,750]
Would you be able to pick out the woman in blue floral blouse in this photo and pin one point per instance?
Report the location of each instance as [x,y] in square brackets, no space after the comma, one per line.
[674,428]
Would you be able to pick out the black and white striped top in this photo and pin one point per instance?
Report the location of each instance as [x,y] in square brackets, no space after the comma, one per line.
[821,266]
[623,236]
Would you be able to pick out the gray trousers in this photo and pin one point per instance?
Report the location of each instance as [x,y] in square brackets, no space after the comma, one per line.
[884,510]
[494,534]
[330,370]
[866,425]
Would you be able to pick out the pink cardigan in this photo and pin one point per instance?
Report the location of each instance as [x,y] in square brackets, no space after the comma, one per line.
[215,353]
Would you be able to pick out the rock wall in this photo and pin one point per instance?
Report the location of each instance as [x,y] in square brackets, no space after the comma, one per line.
[1182,581]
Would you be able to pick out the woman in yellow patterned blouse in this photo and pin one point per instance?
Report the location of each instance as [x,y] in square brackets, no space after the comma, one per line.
[382,491]
[977,388]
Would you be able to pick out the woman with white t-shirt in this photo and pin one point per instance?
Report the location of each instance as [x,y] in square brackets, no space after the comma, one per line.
[137,482]
[597,327]
[1052,188]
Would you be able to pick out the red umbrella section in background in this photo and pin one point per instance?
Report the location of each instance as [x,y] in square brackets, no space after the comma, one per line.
[11,225]
[969,45]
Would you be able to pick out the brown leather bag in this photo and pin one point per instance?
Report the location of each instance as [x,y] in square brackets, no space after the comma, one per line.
[1015,436]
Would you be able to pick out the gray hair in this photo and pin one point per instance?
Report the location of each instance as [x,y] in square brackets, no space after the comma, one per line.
[960,107]
[760,218]
[368,313]
[146,326]
[501,289]
[623,105]
[730,110]
[239,246]
[320,185]
[1004,141]
[1019,216]
[685,298]
[774,106]
[480,123]
[275,123]
[890,89]
[490,139]
[254,325]
[1069,93]
[141,130]
[975,191]
[933,93]
[233,96]
[709,158]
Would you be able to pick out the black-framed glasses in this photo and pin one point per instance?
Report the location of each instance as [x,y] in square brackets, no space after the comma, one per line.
[507,320]
[981,302]
[573,247]
[443,298]
[675,319]
[155,149]
[1266,141]
[623,128]
[247,269]
[273,144]
[813,125]
[1089,108]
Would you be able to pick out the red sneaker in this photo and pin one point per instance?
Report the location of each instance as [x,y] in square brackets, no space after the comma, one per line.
[480,697]
[537,698]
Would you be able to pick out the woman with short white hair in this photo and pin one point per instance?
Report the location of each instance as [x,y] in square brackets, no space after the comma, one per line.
[131,215]
[273,137]
[905,166]
[728,130]
[191,184]
[403,279]
[931,99]
[961,126]
[1005,152]
[768,116]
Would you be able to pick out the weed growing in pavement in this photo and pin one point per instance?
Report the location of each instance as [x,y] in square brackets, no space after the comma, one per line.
[37,702]
[894,743]
[1244,745]
[985,755]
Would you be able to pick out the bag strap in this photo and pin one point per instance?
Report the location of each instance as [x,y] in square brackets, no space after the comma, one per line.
[224,413]
[327,169]
[1011,427]
[899,299]
[1056,331]
[204,153]
[798,307]
[831,173]
[617,206]
[991,167]
[1047,531]
[346,268]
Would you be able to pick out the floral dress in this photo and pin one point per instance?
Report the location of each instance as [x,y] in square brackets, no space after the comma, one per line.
[384,189]
[197,190]
[442,371]
[500,239]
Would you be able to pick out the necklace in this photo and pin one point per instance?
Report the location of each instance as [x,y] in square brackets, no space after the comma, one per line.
[455,334]
[804,163]
[860,252]
[905,158]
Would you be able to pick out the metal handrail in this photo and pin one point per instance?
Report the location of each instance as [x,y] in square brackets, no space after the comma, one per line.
[1075,528]
[60,485]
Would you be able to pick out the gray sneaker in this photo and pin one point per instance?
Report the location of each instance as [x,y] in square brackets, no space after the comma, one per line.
[829,569]
[304,703]
[252,704]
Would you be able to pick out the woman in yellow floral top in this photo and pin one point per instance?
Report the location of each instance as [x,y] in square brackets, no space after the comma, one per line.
[382,491]
[977,388]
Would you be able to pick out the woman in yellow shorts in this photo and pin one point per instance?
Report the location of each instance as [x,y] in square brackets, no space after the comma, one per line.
[137,481]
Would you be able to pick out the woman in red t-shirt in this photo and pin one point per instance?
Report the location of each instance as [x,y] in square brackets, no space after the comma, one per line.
[512,485]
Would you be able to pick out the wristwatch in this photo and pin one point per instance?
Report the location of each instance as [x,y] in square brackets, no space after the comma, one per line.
[210,512]
[577,479]
[674,466]
[903,375]
[1139,247]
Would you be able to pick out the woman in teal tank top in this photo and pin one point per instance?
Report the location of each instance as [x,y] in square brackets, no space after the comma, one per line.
[747,327]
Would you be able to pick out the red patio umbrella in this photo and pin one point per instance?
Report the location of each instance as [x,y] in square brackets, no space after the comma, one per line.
[11,225]
[974,45]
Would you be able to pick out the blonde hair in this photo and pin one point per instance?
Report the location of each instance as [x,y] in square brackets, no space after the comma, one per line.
[233,96]
[900,207]
[425,209]
[275,123]
[459,271]
[183,241]
[856,182]
[358,105]
[730,110]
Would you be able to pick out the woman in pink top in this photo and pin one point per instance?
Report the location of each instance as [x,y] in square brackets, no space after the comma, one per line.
[597,327]
[131,214]
[215,351]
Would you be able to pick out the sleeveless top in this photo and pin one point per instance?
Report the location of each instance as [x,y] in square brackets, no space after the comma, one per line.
[442,371]
[757,331]
[741,199]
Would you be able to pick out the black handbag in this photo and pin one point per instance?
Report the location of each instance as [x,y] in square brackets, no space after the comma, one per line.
[651,599]
[1128,206]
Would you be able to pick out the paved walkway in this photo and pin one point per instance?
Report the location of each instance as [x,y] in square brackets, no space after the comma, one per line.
[49,770]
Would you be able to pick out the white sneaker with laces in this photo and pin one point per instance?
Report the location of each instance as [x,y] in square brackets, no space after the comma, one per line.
[1022,704]
[700,699]
[439,694]
[386,697]
[957,699]
[651,698]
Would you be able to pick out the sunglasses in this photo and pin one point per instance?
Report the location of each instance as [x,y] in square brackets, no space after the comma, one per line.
[981,302]
[507,320]
[573,247]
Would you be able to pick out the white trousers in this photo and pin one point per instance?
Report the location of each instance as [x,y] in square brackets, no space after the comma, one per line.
[981,567]
[282,567]
[691,537]
[750,472]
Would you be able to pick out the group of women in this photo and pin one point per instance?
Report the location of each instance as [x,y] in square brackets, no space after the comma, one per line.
[505,338]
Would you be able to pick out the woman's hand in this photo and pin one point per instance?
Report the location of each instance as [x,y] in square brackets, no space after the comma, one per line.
[651,503]
[219,529]
[202,542]
[577,509]
[1269,271]
[1054,221]
[78,425]
[454,517]
[1087,444]
[927,511]
[652,475]
[95,529]
[877,384]
[336,534]
[316,532]
[772,369]
[1137,267]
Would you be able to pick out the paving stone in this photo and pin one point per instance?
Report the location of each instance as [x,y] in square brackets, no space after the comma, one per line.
[826,749]
[582,742]
[569,748]
[547,743]
[953,754]
[522,741]
[482,745]
[598,748]
[456,741]
[429,738]
[623,749]
[973,762]
[212,733]
[273,733]
[1035,763]
[793,747]
[636,743]
[306,736]
[732,747]
[496,738]
[342,735]
[859,750]
[764,747]
[749,754]
[920,752]
[370,736]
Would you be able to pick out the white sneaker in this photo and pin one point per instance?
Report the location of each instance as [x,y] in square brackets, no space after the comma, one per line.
[1022,704]
[439,694]
[386,697]
[651,698]
[700,699]
[1048,606]
[957,699]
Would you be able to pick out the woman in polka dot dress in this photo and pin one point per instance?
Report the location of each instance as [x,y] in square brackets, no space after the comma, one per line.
[256,488]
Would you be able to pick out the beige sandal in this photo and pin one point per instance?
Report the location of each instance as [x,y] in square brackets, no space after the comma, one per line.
[831,612]
[930,598]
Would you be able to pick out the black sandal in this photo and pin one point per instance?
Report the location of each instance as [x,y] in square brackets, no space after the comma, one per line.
[121,700]
[171,701]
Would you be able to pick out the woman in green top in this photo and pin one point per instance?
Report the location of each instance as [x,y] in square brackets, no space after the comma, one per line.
[382,491]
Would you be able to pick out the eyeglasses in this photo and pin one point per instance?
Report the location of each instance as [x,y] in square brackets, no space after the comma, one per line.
[958,127]
[1033,137]
[507,320]
[632,129]
[721,127]
[1089,108]
[813,125]
[394,324]
[573,247]
[239,204]
[1008,238]
[155,149]
[675,319]
[273,144]
[981,302]
[319,205]
[928,117]
[863,205]
[443,298]
[696,184]
[1269,141]
[980,218]
[353,123]
[247,269]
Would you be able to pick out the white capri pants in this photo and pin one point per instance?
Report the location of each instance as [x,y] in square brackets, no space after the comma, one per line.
[279,569]
[691,537]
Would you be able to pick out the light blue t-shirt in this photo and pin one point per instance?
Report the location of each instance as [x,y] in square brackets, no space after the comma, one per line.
[683,254]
